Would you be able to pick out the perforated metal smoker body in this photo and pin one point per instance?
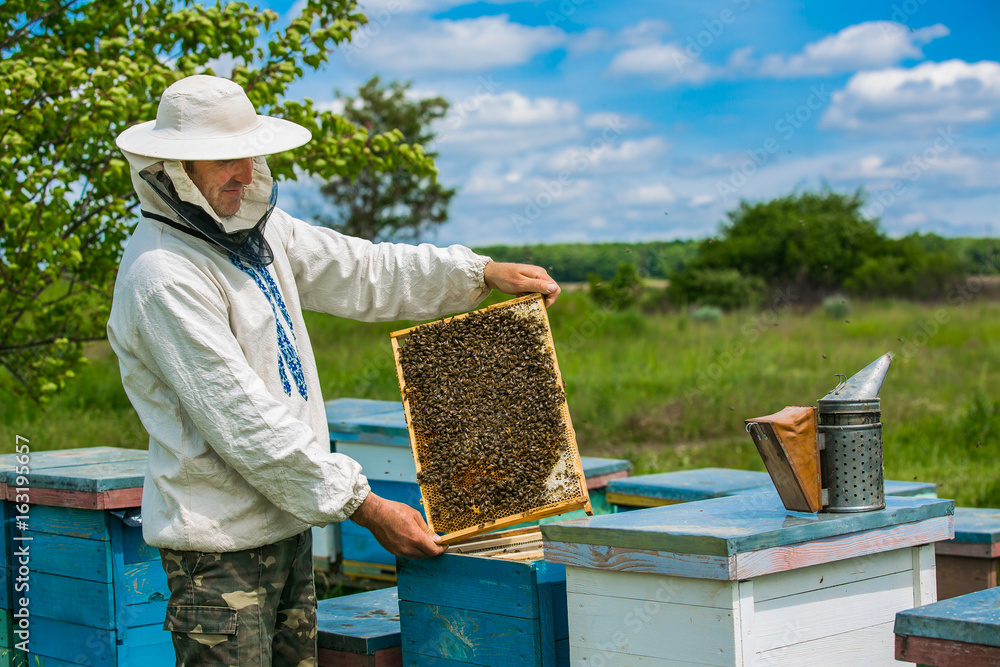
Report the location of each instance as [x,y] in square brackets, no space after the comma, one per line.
[851,463]
[564,488]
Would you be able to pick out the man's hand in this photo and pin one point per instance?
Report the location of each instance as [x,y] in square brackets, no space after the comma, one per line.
[398,528]
[521,279]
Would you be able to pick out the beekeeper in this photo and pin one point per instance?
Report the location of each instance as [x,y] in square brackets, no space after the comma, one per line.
[207,325]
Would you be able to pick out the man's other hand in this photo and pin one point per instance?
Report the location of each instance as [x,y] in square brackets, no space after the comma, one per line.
[521,279]
[398,528]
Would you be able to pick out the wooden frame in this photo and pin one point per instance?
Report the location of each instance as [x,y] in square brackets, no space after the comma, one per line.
[581,501]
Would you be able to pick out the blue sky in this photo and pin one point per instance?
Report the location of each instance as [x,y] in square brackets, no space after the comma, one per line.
[587,120]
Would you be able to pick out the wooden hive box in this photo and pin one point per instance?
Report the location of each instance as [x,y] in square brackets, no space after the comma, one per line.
[360,630]
[963,631]
[37,461]
[380,442]
[350,433]
[98,593]
[484,608]
[715,583]
[971,561]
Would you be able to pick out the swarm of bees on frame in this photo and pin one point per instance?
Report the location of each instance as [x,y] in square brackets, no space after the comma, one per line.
[487,412]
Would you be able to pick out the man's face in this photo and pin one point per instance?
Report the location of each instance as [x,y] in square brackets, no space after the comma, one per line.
[221,182]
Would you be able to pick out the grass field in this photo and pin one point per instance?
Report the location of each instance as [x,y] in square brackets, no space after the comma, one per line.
[670,392]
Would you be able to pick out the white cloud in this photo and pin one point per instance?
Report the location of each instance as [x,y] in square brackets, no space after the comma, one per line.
[627,155]
[651,195]
[509,123]
[666,63]
[513,108]
[942,166]
[601,120]
[645,32]
[862,46]
[336,106]
[374,7]
[402,44]
[924,97]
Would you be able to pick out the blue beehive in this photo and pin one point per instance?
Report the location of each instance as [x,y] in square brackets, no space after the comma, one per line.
[714,582]
[35,462]
[340,416]
[97,593]
[473,609]
[971,561]
[963,630]
[359,629]
[374,434]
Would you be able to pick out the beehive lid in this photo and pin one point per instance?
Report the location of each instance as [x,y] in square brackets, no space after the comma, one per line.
[973,618]
[362,623]
[688,485]
[387,423]
[977,524]
[729,525]
[63,458]
[94,477]
[595,467]
[341,413]
[488,421]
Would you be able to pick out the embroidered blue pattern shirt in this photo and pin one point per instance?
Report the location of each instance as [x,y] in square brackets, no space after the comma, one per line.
[288,353]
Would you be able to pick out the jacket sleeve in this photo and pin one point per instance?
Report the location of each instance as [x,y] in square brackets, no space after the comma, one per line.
[183,332]
[354,278]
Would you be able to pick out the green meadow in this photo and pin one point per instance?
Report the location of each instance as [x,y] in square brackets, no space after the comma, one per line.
[670,391]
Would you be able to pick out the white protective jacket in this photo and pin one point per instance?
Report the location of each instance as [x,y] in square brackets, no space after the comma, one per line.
[217,362]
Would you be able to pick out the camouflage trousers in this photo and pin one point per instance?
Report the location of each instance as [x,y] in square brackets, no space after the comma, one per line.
[253,608]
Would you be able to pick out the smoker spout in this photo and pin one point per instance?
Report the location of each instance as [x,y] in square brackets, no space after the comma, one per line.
[865,384]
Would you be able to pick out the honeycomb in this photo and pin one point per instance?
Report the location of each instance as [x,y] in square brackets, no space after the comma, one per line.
[488,419]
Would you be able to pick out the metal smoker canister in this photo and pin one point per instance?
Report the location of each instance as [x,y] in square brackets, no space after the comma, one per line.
[851,466]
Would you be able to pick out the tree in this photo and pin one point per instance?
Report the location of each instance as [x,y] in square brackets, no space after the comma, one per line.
[811,241]
[76,73]
[380,205]
[814,244]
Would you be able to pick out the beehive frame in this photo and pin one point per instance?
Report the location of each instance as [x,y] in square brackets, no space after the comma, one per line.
[565,487]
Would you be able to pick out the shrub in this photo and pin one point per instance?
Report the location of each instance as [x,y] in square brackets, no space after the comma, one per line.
[837,306]
[620,292]
[912,267]
[727,289]
[706,314]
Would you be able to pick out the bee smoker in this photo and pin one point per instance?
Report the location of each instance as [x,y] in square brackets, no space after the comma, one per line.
[850,435]
[829,459]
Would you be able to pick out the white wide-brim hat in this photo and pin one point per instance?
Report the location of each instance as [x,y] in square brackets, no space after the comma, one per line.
[209,118]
